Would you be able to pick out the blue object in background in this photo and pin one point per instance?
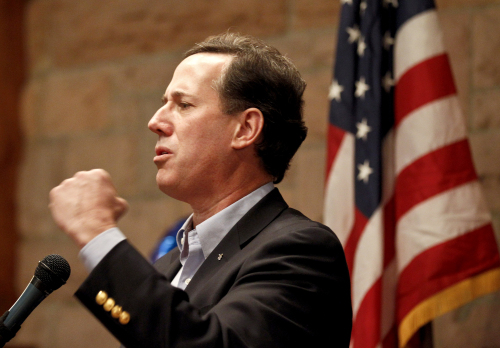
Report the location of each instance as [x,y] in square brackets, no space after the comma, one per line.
[167,242]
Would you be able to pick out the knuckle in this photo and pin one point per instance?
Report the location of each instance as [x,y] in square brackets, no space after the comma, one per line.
[101,173]
[79,174]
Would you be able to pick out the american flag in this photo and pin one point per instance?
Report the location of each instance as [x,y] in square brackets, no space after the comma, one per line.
[402,193]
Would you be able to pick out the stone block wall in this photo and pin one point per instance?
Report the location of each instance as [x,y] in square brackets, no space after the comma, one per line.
[97,70]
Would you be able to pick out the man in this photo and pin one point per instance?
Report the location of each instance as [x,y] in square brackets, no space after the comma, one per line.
[249,271]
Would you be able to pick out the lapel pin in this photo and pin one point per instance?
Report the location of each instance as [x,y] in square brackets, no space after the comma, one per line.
[220,256]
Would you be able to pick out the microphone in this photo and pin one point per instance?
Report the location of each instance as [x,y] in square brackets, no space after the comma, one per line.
[51,273]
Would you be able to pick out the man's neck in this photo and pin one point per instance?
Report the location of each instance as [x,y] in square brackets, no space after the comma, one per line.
[207,209]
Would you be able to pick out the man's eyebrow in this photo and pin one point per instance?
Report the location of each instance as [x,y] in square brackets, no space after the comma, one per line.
[175,94]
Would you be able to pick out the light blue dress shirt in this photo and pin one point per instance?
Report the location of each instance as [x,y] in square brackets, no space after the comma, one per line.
[200,242]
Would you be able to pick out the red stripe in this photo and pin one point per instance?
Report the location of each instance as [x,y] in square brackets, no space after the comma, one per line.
[432,174]
[351,244]
[335,137]
[446,264]
[366,326]
[425,82]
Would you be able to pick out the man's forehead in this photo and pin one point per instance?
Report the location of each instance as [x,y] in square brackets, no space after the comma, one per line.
[209,61]
[197,68]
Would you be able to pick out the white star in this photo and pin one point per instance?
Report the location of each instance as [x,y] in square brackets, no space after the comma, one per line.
[388,40]
[361,88]
[348,2]
[363,129]
[387,82]
[335,91]
[354,34]
[361,46]
[362,7]
[364,171]
[394,3]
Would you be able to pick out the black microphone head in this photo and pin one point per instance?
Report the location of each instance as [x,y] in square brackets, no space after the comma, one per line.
[53,271]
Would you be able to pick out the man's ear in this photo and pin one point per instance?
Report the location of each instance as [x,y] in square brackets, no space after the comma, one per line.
[248,129]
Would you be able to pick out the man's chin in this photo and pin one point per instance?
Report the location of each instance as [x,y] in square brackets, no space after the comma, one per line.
[168,187]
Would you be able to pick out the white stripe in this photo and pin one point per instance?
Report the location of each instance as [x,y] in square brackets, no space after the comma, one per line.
[439,219]
[338,211]
[428,128]
[368,259]
[418,39]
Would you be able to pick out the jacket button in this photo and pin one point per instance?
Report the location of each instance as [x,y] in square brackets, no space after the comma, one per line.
[116,311]
[124,318]
[101,297]
[109,304]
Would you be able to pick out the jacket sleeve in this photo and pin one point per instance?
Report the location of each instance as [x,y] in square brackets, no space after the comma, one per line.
[291,291]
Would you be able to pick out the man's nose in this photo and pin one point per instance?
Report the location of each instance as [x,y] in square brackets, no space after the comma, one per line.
[160,123]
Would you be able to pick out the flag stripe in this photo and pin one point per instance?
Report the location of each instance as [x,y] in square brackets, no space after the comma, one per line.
[366,325]
[422,81]
[336,135]
[433,174]
[410,9]
[427,129]
[339,197]
[367,266]
[352,242]
[418,39]
[458,259]
[441,218]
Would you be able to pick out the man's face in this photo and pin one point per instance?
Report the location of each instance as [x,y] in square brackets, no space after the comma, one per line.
[194,136]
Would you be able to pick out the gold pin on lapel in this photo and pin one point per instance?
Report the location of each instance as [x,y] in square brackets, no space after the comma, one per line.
[220,256]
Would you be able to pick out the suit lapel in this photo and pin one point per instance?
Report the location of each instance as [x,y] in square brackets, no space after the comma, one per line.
[254,221]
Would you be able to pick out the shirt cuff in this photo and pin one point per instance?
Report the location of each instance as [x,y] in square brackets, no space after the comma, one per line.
[95,250]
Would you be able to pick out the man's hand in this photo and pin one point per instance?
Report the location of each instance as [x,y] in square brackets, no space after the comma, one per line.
[86,205]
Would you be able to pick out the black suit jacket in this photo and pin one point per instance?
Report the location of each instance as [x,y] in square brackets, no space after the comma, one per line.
[277,279]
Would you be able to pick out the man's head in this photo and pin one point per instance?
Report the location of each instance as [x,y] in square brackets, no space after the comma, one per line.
[194,151]
[260,77]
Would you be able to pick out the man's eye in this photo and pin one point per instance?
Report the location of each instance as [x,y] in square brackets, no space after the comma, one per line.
[184,105]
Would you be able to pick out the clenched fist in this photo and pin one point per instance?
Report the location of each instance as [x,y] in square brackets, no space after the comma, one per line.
[86,205]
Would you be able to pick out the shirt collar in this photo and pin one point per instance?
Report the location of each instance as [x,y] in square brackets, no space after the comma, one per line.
[215,228]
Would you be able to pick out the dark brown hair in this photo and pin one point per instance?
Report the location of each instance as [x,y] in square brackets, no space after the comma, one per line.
[260,76]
